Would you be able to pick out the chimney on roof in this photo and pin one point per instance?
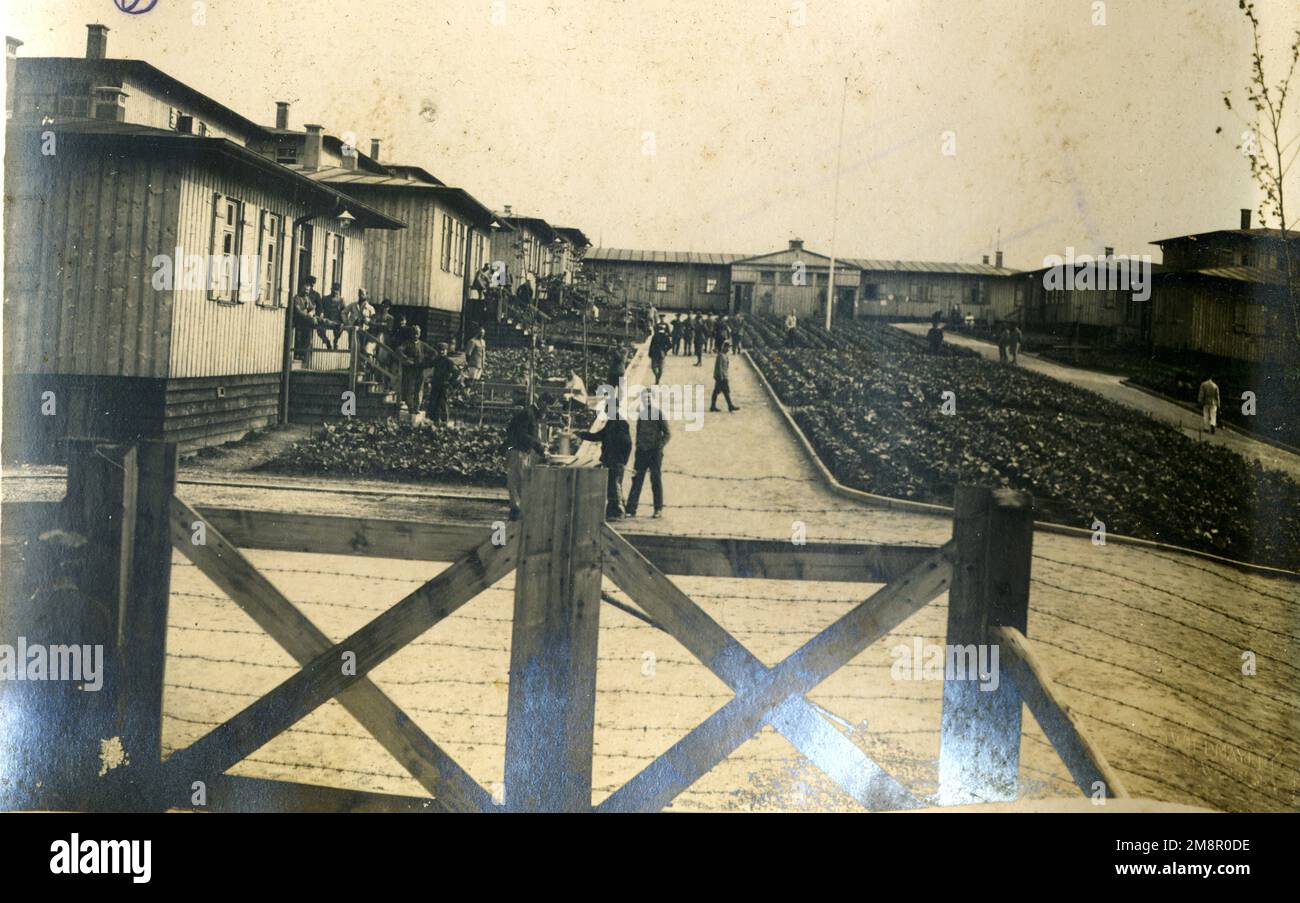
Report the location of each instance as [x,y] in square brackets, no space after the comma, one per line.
[11,69]
[311,147]
[282,114]
[985,259]
[350,155]
[1108,252]
[374,149]
[796,244]
[997,260]
[508,213]
[96,41]
[1245,217]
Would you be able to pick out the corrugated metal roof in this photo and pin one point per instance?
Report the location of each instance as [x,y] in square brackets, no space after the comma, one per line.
[1255,275]
[1247,233]
[925,266]
[630,255]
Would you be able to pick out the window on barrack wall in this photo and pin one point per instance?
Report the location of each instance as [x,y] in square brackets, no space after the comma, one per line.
[225,244]
[446,243]
[710,286]
[768,277]
[661,283]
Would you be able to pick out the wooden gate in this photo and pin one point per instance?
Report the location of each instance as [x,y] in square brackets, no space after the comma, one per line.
[560,551]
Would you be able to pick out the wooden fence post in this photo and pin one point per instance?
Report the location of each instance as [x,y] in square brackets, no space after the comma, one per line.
[142,629]
[979,745]
[552,703]
[88,589]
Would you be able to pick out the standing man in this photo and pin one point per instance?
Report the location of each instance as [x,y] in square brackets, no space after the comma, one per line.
[737,328]
[701,339]
[357,316]
[688,333]
[659,347]
[523,449]
[444,375]
[476,355]
[304,317]
[415,359]
[791,329]
[935,335]
[677,334]
[721,332]
[1016,338]
[615,446]
[1004,338]
[1208,397]
[721,385]
[651,436]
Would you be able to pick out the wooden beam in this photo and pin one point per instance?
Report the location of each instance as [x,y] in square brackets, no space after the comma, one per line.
[680,555]
[1085,760]
[551,711]
[222,563]
[806,729]
[343,665]
[979,742]
[726,729]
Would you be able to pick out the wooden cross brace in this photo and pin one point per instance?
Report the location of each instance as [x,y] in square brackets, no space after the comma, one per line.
[322,677]
[768,695]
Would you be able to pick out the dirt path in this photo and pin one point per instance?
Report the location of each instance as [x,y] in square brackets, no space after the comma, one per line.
[1112,387]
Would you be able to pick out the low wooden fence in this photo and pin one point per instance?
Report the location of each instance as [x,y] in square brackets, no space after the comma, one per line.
[104,554]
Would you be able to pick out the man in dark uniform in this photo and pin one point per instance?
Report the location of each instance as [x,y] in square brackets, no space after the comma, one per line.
[615,446]
[721,384]
[701,339]
[651,436]
[677,334]
[330,310]
[443,377]
[660,345]
[304,316]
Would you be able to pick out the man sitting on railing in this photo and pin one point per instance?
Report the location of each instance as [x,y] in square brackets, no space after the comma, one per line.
[357,316]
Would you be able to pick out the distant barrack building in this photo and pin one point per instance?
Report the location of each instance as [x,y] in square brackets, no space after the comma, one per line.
[795,280]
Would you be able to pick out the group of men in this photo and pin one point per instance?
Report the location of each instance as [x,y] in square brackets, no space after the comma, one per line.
[700,333]
[329,317]
[431,366]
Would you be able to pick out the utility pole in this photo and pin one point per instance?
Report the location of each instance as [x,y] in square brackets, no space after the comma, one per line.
[835,205]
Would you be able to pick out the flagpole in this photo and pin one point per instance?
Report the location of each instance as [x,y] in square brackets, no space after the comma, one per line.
[835,205]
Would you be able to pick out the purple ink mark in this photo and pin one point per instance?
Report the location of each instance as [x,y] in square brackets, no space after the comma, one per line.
[132,7]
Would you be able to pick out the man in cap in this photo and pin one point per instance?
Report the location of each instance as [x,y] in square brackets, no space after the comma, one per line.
[444,375]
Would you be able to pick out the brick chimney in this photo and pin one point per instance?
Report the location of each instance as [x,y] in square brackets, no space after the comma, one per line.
[796,244]
[96,41]
[1245,217]
[311,147]
[997,260]
[282,114]
[374,149]
[1108,252]
[11,69]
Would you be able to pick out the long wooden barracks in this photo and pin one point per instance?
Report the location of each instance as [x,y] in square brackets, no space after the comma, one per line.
[123,185]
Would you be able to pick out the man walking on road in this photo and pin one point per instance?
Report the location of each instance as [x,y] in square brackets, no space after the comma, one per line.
[1208,398]
[660,345]
[1004,339]
[651,436]
[721,369]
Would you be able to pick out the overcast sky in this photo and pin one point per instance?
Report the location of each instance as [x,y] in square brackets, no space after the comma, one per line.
[713,125]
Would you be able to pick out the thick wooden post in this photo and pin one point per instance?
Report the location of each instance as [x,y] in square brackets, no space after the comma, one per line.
[552,704]
[88,592]
[979,746]
[142,629]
